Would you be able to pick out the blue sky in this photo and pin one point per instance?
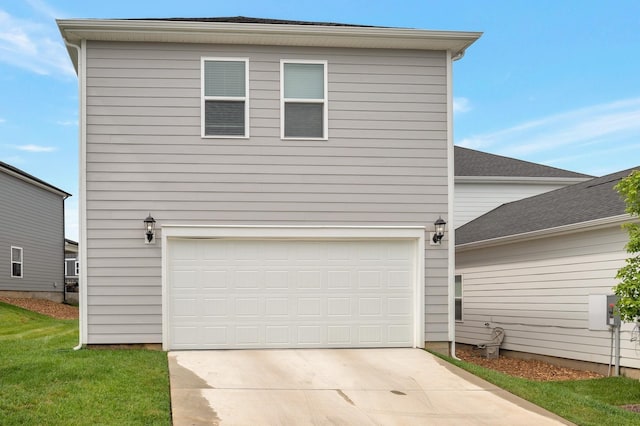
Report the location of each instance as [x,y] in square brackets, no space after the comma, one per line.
[554,82]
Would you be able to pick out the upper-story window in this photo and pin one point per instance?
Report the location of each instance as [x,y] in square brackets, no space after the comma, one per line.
[16,262]
[225,97]
[303,104]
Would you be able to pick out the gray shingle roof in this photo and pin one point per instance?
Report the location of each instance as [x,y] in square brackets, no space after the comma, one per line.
[581,202]
[249,20]
[469,162]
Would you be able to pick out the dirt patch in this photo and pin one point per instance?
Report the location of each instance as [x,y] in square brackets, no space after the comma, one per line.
[631,407]
[45,307]
[525,368]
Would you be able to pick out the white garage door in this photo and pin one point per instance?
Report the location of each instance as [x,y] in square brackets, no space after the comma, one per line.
[226,293]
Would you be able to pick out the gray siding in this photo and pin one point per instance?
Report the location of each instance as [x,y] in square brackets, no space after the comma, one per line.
[31,218]
[538,291]
[384,163]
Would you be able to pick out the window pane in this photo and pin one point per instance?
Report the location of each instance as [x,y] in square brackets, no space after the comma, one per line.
[458,286]
[304,81]
[458,304]
[224,118]
[16,255]
[224,78]
[303,120]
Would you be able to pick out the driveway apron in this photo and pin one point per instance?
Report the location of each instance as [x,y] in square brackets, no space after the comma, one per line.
[337,387]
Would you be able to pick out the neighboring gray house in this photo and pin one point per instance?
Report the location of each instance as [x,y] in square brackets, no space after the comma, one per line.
[294,171]
[71,264]
[31,236]
[485,181]
[535,267]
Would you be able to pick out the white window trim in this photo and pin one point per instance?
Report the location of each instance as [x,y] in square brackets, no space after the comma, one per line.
[65,268]
[204,98]
[21,262]
[325,101]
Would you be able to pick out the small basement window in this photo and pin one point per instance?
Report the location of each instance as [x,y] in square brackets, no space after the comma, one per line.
[16,262]
[225,99]
[303,105]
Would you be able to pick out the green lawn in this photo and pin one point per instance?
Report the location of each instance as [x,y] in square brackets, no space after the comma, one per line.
[583,402]
[43,381]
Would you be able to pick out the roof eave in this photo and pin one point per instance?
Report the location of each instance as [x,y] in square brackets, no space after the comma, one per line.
[75,30]
[541,233]
[521,179]
[19,174]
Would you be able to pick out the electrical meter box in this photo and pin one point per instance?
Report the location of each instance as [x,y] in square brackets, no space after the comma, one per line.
[613,317]
[603,312]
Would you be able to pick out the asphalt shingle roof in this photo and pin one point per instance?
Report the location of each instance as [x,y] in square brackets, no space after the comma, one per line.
[581,202]
[469,162]
[249,20]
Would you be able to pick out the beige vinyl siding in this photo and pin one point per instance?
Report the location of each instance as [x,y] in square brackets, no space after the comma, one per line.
[475,199]
[538,292]
[384,163]
[31,218]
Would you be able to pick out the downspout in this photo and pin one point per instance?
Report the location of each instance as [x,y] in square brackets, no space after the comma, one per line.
[617,339]
[64,257]
[82,243]
[451,243]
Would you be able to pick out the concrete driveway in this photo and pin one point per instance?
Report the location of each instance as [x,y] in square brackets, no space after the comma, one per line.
[337,387]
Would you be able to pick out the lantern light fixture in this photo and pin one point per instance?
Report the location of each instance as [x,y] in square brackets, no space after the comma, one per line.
[439,230]
[149,229]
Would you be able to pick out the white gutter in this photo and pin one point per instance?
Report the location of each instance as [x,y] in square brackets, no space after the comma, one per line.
[82,240]
[521,179]
[541,233]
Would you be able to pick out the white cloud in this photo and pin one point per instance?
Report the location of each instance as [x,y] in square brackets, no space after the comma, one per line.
[33,44]
[67,123]
[44,9]
[461,105]
[36,148]
[585,128]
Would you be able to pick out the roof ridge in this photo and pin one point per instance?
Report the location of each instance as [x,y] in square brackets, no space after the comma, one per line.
[471,162]
[252,20]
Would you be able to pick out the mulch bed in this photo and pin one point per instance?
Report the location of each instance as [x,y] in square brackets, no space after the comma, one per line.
[526,369]
[45,307]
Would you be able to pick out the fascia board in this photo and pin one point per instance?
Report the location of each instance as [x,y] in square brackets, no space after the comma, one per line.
[559,230]
[36,182]
[521,180]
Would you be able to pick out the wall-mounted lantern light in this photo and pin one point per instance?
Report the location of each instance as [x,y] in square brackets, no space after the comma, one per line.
[149,229]
[439,233]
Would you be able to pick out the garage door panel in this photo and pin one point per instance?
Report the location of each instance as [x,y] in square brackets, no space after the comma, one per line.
[279,293]
[276,280]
